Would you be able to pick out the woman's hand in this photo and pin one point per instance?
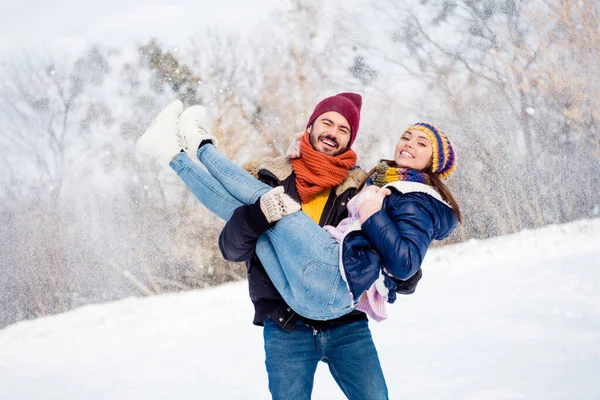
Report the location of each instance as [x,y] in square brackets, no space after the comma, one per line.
[372,203]
[294,150]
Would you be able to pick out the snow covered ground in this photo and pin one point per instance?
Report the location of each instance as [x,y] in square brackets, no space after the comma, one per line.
[515,317]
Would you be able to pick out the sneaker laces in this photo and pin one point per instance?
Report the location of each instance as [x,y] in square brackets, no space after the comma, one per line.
[181,140]
[203,131]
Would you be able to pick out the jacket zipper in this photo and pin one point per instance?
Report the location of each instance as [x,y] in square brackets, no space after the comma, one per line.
[330,210]
[333,204]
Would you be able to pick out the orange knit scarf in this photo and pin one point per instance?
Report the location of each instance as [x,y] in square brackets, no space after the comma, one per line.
[316,171]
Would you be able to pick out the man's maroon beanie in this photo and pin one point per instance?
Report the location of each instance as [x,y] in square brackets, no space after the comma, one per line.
[347,104]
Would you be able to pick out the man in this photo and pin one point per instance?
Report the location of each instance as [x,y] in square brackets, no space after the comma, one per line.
[322,179]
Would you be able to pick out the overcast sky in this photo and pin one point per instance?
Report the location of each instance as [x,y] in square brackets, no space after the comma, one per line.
[60,25]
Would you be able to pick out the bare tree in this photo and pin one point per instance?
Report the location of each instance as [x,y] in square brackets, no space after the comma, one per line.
[569,57]
[48,113]
[479,69]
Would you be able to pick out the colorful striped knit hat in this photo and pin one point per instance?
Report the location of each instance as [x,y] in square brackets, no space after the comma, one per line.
[444,160]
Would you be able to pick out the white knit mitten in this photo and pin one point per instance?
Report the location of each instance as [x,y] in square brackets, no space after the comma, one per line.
[275,204]
[367,193]
[371,201]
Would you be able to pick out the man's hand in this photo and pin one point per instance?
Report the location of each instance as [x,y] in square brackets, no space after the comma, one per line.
[372,203]
[294,150]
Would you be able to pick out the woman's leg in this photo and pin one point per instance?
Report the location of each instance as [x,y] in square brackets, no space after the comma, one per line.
[299,256]
[209,191]
[234,178]
[302,260]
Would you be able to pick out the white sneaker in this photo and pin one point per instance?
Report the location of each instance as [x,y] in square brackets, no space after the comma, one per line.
[194,129]
[160,140]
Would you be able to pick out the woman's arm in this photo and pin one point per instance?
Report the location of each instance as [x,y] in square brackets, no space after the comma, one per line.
[401,235]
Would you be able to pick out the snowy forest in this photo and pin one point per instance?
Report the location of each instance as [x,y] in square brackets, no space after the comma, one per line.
[85,219]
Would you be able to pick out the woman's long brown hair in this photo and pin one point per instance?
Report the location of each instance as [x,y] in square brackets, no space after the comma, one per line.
[436,182]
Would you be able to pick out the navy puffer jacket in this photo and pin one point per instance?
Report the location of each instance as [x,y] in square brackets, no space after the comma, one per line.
[395,239]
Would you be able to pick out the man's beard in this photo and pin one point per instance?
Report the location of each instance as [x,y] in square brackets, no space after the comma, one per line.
[314,141]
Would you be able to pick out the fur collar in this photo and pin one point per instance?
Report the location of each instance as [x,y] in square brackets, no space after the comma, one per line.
[281,167]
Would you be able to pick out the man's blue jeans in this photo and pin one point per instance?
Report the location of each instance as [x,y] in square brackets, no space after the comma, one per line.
[349,351]
[301,259]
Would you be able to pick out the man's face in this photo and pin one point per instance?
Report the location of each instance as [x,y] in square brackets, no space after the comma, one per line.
[330,133]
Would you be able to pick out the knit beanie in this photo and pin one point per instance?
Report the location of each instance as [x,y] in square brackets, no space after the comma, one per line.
[347,104]
[444,160]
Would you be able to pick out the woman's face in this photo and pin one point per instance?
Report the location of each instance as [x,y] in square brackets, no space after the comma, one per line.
[413,150]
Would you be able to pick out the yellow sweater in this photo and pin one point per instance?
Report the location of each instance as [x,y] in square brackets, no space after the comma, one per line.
[314,208]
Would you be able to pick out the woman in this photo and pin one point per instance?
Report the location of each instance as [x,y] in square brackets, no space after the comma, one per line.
[382,242]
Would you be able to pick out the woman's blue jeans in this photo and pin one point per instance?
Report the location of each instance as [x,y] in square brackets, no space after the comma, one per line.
[301,259]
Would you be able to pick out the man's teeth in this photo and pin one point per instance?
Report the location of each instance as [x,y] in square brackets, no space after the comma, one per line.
[328,142]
